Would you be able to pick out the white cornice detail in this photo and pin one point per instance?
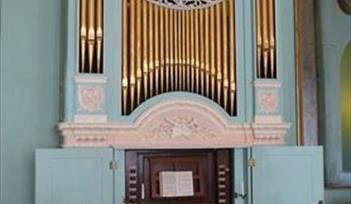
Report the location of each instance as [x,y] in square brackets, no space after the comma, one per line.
[268,84]
[90,79]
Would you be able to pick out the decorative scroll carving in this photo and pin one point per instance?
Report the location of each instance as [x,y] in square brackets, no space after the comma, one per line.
[185,4]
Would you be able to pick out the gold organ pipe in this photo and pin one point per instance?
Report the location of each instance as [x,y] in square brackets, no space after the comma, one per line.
[91,32]
[259,36]
[132,54]
[184,50]
[181,45]
[177,48]
[197,52]
[157,53]
[232,57]
[138,50]
[192,51]
[225,55]
[188,51]
[213,52]
[167,47]
[151,48]
[202,53]
[162,62]
[272,37]
[265,37]
[83,32]
[145,50]
[219,52]
[172,47]
[207,51]
[125,55]
[99,34]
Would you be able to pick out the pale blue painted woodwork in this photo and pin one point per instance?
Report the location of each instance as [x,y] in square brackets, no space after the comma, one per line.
[287,175]
[113,58]
[119,177]
[241,173]
[248,36]
[74,176]
[31,62]
[285,29]
[71,59]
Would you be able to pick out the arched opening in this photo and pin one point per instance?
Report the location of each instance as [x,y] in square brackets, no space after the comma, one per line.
[345,82]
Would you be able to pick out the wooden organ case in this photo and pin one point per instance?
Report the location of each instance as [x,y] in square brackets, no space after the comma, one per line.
[177,84]
[211,170]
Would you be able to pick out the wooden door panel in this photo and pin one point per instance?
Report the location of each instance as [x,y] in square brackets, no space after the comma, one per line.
[71,176]
[287,175]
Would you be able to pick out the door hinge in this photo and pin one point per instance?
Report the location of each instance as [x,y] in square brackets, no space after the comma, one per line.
[113,165]
[251,162]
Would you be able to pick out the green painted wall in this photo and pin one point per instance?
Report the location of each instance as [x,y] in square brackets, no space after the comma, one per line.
[31,60]
[333,33]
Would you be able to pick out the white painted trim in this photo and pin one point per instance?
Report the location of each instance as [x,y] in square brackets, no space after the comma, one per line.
[267,84]
[91,119]
[268,119]
[91,78]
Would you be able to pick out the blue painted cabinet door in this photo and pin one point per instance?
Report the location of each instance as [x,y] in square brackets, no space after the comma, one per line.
[287,175]
[74,176]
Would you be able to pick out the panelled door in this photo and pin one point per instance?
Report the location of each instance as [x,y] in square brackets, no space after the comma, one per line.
[78,176]
[287,175]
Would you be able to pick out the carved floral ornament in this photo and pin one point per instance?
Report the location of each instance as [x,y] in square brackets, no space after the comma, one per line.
[185,4]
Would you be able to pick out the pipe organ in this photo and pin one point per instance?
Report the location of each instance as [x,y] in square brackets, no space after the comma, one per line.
[168,49]
[178,73]
[91,36]
[174,86]
[266,39]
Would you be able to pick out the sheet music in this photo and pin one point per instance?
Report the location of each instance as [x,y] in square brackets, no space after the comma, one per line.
[176,183]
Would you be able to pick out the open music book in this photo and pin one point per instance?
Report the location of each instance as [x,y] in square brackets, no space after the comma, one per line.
[176,184]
